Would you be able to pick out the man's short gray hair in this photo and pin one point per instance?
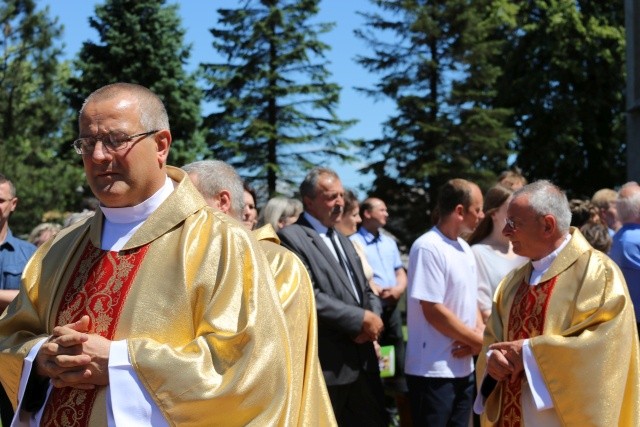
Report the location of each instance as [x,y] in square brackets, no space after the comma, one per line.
[628,203]
[310,182]
[153,115]
[546,198]
[12,188]
[215,176]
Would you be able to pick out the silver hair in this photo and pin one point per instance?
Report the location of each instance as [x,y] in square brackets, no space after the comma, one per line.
[546,198]
[215,176]
[310,183]
[278,209]
[153,115]
[628,205]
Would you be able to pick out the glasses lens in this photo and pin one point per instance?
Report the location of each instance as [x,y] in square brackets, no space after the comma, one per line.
[84,145]
[116,141]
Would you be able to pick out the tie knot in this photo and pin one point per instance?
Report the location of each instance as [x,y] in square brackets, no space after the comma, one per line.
[330,232]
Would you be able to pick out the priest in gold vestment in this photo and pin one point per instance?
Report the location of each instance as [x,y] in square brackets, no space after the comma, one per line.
[560,347]
[156,311]
[222,188]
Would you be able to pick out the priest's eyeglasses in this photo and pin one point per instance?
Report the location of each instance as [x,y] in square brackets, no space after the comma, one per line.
[510,223]
[110,142]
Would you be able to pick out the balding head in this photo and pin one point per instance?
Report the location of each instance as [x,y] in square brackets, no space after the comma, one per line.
[373,212]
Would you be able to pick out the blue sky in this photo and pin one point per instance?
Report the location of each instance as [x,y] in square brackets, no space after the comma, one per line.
[199,15]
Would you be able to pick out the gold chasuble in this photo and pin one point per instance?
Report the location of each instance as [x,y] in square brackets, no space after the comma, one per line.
[582,334]
[311,405]
[205,332]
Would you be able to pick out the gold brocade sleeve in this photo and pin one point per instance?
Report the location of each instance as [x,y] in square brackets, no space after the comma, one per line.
[311,405]
[212,348]
[588,353]
[26,320]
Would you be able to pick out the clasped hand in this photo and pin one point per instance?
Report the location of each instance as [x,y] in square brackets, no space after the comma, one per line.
[73,357]
[505,360]
[372,327]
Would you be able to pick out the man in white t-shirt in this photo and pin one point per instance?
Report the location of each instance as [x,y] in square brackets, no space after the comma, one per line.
[444,323]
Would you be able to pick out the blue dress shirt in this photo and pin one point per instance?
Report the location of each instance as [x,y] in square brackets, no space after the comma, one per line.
[14,254]
[383,256]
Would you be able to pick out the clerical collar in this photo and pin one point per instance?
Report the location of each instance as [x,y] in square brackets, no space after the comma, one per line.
[542,265]
[141,211]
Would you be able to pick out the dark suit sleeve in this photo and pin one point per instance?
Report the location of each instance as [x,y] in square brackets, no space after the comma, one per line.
[332,311]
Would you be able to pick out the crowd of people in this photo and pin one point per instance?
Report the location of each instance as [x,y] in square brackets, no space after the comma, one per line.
[174,300]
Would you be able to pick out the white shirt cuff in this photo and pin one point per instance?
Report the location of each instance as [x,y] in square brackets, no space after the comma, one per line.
[128,401]
[539,391]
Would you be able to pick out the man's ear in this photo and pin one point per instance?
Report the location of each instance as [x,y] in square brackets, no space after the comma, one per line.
[459,210]
[163,142]
[224,199]
[14,203]
[550,224]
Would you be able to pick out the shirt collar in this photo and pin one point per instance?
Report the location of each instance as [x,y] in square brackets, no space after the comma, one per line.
[317,225]
[9,240]
[368,236]
[542,265]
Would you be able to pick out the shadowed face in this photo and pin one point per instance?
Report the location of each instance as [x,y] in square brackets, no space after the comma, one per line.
[7,203]
[348,225]
[328,202]
[378,213]
[129,176]
[525,229]
[249,212]
[473,214]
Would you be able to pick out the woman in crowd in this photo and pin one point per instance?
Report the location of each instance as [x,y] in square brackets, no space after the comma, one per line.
[43,232]
[250,210]
[348,225]
[280,212]
[494,254]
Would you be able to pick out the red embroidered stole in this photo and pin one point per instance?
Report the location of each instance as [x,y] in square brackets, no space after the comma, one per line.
[526,320]
[98,288]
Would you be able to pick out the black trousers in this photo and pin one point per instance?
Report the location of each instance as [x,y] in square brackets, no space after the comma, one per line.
[440,402]
[360,403]
[6,410]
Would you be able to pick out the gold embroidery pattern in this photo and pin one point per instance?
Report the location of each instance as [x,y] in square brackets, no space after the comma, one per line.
[526,320]
[97,288]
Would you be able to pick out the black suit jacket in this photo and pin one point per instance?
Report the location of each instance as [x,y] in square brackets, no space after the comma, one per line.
[340,314]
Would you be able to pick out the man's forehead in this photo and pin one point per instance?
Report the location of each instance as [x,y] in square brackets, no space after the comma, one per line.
[329,183]
[5,189]
[377,203]
[519,204]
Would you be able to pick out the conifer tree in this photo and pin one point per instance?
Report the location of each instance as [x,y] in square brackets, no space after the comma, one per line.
[564,79]
[141,41]
[436,60]
[34,116]
[276,112]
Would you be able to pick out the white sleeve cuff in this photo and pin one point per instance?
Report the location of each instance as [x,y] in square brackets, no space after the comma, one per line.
[478,404]
[539,391]
[128,401]
[19,419]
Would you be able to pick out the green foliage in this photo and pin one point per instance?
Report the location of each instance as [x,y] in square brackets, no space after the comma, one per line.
[437,62]
[276,110]
[564,79]
[34,115]
[141,42]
